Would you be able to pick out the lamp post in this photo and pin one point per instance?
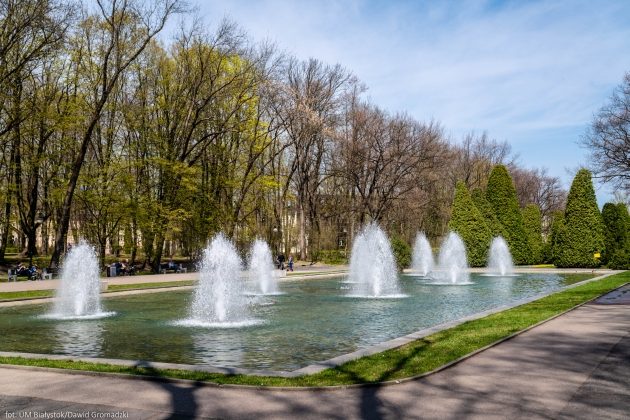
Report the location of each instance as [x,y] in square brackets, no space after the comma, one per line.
[275,240]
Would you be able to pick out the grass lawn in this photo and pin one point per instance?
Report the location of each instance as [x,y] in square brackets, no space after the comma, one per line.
[141,286]
[30,294]
[418,357]
[35,294]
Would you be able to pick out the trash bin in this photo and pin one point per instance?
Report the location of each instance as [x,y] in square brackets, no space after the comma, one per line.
[112,270]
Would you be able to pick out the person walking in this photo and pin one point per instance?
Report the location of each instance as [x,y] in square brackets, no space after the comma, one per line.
[281,259]
[290,262]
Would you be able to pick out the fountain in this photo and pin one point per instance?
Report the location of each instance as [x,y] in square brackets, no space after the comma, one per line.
[452,261]
[422,259]
[372,266]
[261,268]
[78,295]
[500,259]
[219,300]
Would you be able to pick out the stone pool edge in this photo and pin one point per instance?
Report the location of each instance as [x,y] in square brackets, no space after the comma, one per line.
[317,366]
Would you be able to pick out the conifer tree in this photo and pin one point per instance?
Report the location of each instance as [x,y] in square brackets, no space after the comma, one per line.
[479,198]
[532,221]
[467,221]
[584,226]
[616,224]
[501,195]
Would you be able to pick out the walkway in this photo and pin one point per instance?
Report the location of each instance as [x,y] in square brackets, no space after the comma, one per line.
[575,366]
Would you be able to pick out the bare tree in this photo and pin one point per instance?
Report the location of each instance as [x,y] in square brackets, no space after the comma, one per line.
[384,158]
[308,108]
[536,186]
[476,156]
[608,138]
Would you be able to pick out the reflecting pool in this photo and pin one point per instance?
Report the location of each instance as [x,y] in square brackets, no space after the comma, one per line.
[312,320]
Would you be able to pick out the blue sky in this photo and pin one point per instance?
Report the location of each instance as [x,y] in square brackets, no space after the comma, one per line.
[529,72]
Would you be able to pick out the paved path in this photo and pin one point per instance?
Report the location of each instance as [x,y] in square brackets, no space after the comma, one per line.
[575,366]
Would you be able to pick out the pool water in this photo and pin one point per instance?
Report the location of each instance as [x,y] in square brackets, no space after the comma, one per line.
[313,320]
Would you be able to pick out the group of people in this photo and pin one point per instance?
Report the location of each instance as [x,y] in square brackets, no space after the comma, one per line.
[31,272]
[280,262]
[124,268]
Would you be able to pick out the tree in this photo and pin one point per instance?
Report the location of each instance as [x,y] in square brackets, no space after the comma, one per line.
[501,195]
[495,226]
[308,106]
[584,235]
[532,222]
[536,186]
[469,223]
[557,239]
[30,32]
[113,42]
[402,252]
[615,217]
[475,158]
[608,138]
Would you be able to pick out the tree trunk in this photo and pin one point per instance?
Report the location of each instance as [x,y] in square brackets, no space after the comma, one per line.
[159,249]
[6,226]
[302,232]
[64,220]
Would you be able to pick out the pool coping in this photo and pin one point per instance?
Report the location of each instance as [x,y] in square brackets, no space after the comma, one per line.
[313,368]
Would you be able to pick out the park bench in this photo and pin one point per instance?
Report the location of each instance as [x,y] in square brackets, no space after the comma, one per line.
[13,275]
[49,273]
[177,268]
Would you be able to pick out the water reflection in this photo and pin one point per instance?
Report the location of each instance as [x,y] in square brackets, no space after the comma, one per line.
[218,347]
[78,338]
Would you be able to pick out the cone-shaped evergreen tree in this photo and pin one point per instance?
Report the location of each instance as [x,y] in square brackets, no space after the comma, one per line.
[468,222]
[616,225]
[558,235]
[584,225]
[532,221]
[479,198]
[501,195]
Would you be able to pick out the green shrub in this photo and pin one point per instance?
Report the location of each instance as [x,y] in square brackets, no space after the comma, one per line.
[469,223]
[402,252]
[501,195]
[532,222]
[479,198]
[584,228]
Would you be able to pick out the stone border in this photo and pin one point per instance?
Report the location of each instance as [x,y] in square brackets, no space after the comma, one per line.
[312,368]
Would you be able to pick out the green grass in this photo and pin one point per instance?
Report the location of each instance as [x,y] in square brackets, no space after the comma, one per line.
[313,273]
[142,286]
[35,294]
[30,294]
[418,357]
